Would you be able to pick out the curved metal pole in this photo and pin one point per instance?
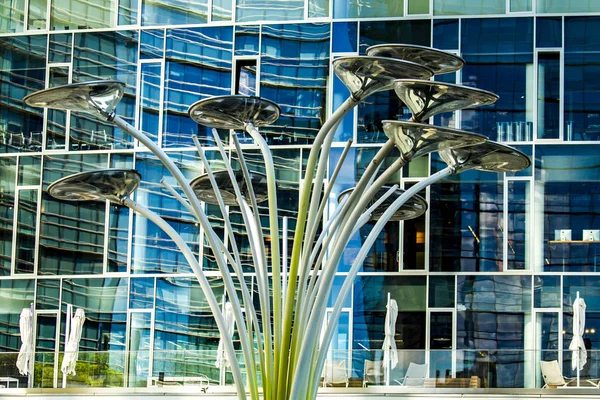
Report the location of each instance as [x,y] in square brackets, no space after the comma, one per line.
[362,254]
[275,253]
[255,239]
[204,284]
[325,280]
[211,236]
[286,370]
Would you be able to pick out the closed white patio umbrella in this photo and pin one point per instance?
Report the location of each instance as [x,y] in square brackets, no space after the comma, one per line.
[72,346]
[389,343]
[26,352]
[577,345]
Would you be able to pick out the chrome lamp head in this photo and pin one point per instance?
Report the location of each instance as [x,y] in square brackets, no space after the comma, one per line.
[428,98]
[205,192]
[99,98]
[415,139]
[234,112]
[107,184]
[364,76]
[489,156]
[441,62]
[411,209]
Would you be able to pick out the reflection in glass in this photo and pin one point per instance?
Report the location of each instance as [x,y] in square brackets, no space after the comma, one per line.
[128,14]
[45,346]
[519,224]
[413,256]
[47,295]
[152,43]
[466,222]
[274,10]
[440,344]
[12,19]
[150,96]
[548,97]
[491,61]
[17,294]
[174,12]
[81,14]
[118,248]
[221,10]
[26,226]
[294,72]
[492,315]
[468,7]
[520,5]
[139,349]
[29,170]
[441,291]
[8,170]
[56,124]
[141,293]
[246,40]
[418,7]
[60,45]
[548,32]
[38,10]
[368,9]
[546,291]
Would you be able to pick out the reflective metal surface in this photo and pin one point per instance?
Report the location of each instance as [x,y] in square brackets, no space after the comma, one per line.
[416,139]
[441,62]
[364,76]
[413,208]
[488,156]
[204,190]
[99,98]
[106,184]
[428,98]
[234,112]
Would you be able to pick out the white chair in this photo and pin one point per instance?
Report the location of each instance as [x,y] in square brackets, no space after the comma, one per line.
[373,373]
[553,376]
[335,373]
[415,375]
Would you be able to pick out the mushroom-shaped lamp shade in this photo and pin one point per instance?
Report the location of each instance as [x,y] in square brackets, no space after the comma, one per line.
[441,62]
[204,190]
[99,98]
[413,208]
[488,156]
[234,112]
[106,184]
[364,76]
[415,139]
[428,98]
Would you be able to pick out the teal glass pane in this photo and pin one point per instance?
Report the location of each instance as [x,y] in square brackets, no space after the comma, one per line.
[368,9]
[468,7]
[80,14]
[174,12]
[38,14]
[29,170]
[8,170]
[48,294]
[269,10]
[128,14]
[26,226]
[520,5]
[17,294]
[12,16]
[441,291]
[60,48]
[550,6]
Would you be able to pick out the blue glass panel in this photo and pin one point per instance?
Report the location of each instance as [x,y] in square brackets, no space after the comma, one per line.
[149,103]
[128,12]
[379,32]
[141,293]
[8,172]
[571,196]
[246,40]
[105,55]
[546,291]
[23,72]
[72,233]
[344,37]
[269,10]
[152,43]
[497,51]
[294,70]
[493,313]
[185,325]
[345,130]
[153,250]
[548,32]
[465,219]
[445,34]
[199,63]
[582,88]
[174,12]
[60,48]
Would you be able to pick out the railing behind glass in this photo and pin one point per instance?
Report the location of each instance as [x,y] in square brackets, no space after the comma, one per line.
[448,369]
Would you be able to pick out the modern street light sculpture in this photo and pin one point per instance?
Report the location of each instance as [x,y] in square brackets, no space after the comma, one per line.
[286,340]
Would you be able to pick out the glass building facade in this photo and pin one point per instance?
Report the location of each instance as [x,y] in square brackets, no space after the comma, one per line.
[485,280]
